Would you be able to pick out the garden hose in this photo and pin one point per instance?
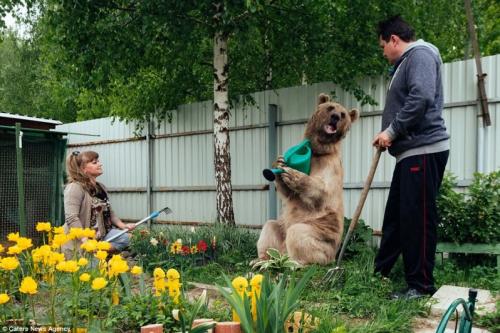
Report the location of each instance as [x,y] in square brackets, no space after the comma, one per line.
[465,324]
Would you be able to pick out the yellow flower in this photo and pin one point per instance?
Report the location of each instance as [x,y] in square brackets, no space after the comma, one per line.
[159,286]
[174,291]
[102,267]
[54,258]
[89,233]
[14,250]
[59,240]
[41,253]
[13,237]
[85,277]
[136,270]
[58,230]
[90,245]
[116,266]
[75,233]
[176,246]
[1,248]
[101,255]
[256,283]
[28,286]
[194,249]
[240,284]
[9,263]
[158,273]
[82,262]
[104,246]
[173,274]
[115,298]
[99,283]
[43,226]
[4,298]
[24,243]
[69,266]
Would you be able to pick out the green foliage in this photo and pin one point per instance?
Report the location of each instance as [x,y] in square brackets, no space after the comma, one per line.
[233,246]
[490,321]
[473,216]
[142,309]
[276,303]
[360,238]
[277,263]
[164,249]
[138,60]
[361,304]
[477,276]
[488,28]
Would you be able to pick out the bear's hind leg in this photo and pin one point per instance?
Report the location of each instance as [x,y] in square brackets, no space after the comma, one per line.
[304,245]
[271,236]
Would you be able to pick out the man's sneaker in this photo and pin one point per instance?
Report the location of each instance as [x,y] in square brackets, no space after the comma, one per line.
[409,294]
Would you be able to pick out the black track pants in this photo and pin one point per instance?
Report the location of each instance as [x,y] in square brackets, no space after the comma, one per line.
[410,219]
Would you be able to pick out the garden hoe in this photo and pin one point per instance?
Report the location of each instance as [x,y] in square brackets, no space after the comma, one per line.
[336,274]
[153,215]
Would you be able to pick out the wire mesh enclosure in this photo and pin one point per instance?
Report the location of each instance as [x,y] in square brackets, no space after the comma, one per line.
[37,166]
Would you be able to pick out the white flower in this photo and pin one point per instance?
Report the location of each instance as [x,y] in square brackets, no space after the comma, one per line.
[179,241]
[192,229]
[154,241]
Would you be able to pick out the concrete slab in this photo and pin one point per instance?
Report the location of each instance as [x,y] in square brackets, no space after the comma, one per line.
[442,299]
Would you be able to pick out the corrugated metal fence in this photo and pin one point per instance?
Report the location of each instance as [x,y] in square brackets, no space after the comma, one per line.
[181,152]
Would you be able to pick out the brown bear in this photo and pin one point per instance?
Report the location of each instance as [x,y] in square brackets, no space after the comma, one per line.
[310,227]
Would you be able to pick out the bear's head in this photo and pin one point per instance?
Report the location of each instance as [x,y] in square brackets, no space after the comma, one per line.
[329,124]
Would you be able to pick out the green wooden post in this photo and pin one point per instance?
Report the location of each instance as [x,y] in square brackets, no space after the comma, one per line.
[57,181]
[272,155]
[493,249]
[20,180]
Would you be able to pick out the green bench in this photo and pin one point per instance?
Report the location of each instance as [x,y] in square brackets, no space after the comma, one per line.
[493,249]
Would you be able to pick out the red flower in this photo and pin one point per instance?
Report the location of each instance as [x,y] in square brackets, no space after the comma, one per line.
[185,250]
[202,246]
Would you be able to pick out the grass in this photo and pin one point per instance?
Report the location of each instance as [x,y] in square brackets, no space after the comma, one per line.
[359,304]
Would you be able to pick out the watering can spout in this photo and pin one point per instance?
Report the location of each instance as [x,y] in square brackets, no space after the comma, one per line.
[297,157]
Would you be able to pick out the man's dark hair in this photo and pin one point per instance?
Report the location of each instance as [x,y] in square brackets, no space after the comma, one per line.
[395,26]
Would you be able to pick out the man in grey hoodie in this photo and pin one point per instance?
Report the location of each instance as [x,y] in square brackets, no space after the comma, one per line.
[414,132]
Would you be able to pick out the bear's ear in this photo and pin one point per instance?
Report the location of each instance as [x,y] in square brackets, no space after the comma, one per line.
[323,98]
[354,113]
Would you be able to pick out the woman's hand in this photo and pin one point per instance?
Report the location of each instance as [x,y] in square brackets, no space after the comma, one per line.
[129,226]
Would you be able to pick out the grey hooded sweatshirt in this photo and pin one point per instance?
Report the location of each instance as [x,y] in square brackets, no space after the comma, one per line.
[414,105]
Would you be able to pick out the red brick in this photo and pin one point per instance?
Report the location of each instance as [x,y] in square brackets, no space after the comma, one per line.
[152,328]
[228,327]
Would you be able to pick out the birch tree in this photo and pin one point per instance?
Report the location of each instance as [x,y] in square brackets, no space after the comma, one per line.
[138,59]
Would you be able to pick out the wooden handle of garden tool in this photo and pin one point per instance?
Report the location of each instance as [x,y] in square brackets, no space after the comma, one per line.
[361,202]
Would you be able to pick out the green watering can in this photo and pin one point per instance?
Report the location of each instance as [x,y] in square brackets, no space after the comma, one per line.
[297,157]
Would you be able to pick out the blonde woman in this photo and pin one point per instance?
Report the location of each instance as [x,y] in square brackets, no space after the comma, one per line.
[86,202]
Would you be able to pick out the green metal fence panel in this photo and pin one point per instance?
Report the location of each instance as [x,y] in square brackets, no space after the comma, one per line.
[31,180]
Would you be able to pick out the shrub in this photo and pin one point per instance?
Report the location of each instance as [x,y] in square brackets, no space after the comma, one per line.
[473,216]
[360,238]
[224,245]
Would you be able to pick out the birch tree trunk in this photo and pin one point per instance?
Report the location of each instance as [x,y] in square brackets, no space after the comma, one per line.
[222,156]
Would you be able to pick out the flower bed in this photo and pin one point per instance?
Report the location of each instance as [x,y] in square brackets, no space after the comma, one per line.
[156,249]
[91,290]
